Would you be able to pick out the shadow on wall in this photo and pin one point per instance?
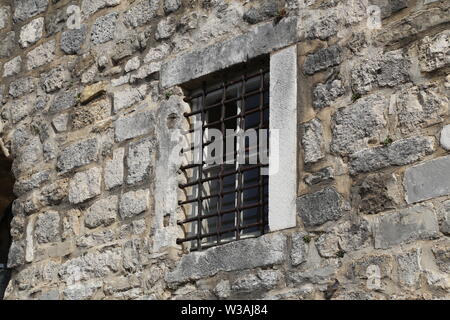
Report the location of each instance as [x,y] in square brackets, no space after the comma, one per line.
[6,199]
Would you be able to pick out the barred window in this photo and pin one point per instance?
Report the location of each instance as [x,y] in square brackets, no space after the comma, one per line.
[226,199]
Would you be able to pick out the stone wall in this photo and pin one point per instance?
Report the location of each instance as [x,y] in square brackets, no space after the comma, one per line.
[86,90]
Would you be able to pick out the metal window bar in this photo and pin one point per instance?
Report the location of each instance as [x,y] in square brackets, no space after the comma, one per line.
[239,101]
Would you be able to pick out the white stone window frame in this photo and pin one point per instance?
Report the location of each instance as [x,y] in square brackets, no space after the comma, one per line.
[282,50]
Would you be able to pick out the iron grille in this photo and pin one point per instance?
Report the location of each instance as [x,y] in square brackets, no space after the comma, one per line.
[228,201]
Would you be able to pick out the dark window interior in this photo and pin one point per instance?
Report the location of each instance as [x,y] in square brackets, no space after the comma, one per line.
[229,201]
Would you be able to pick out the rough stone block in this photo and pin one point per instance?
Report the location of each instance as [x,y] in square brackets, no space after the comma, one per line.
[91,113]
[22,86]
[171,5]
[5,12]
[114,169]
[25,9]
[399,153]
[41,55]
[140,160]
[299,248]
[85,185]
[72,40]
[445,137]
[326,93]
[323,175]
[261,11]
[47,227]
[7,44]
[388,70]
[141,12]
[127,97]
[323,59]
[319,207]
[77,155]
[63,101]
[404,226]
[434,51]
[262,40]
[31,32]
[312,141]
[12,67]
[55,79]
[89,7]
[133,203]
[137,124]
[104,28]
[102,213]
[428,180]
[264,251]
[165,29]
[409,268]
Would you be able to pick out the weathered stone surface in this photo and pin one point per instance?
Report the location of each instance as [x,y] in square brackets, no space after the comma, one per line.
[92,91]
[55,79]
[22,86]
[406,225]
[141,12]
[445,137]
[263,39]
[47,228]
[89,7]
[132,64]
[16,256]
[137,124]
[388,70]
[409,267]
[81,290]
[12,67]
[445,223]
[319,207]
[264,251]
[261,11]
[299,248]
[125,47]
[96,264]
[389,7]
[140,160]
[354,126]
[133,203]
[420,107]
[25,9]
[375,193]
[85,185]
[127,97]
[157,53]
[263,280]
[77,155]
[24,185]
[5,12]
[63,101]
[322,27]
[54,193]
[91,114]
[323,175]
[41,55]
[399,153]
[434,51]
[360,268]
[312,141]
[114,169]
[441,252]
[322,59]
[31,32]
[427,180]
[7,44]
[326,93]
[165,29]
[145,71]
[102,213]
[171,5]
[104,28]
[72,40]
